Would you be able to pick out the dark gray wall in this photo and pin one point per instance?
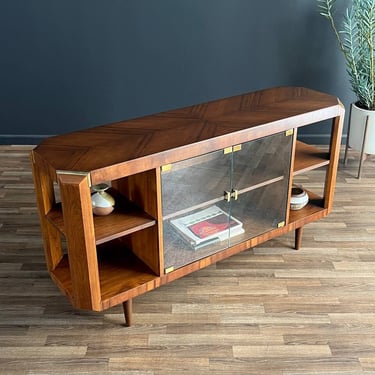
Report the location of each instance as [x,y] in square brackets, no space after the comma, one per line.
[73,64]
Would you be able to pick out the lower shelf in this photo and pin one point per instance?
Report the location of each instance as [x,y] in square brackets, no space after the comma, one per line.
[313,208]
[120,271]
[127,218]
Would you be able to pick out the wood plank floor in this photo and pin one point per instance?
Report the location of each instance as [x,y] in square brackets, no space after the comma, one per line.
[270,310]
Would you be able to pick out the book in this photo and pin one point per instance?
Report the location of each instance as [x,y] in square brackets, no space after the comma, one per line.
[207,226]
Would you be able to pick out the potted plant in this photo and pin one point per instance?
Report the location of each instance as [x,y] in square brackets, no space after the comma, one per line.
[356,39]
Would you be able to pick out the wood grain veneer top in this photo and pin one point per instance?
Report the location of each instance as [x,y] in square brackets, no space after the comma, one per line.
[126,147]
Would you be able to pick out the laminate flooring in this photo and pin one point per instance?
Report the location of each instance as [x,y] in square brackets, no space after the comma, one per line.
[269,310]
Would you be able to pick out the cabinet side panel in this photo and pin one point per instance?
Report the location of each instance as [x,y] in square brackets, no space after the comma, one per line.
[159,220]
[46,200]
[79,226]
[144,190]
[335,146]
[140,189]
[145,245]
[292,160]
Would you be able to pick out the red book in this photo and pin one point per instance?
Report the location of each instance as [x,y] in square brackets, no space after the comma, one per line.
[216,224]
[207,226]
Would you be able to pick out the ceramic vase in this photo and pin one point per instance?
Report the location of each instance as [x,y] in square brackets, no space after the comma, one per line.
[102,202]
[298,199]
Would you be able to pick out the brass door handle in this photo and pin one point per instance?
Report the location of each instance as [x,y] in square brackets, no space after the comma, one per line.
[227,195]
[234,194]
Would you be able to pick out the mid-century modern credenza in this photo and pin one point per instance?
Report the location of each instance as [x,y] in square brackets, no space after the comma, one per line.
[229,162]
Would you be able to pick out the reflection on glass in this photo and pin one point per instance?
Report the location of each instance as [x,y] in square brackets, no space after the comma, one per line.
[219,199]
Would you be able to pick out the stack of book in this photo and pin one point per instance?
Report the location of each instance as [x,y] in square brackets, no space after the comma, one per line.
[207,226]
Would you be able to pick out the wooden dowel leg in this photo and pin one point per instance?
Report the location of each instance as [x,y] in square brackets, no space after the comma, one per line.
[128,311]
[347,137]
[298,238]
[362,157]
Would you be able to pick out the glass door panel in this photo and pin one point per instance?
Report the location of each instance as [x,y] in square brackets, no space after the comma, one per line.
[260,182]
[219,199]
[194,183]
[196,218]
[262,161]
[260,210]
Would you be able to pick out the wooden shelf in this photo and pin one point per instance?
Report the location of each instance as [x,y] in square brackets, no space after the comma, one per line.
[314,207]
[119,271]
[124,220]
[309,157]
[62,278]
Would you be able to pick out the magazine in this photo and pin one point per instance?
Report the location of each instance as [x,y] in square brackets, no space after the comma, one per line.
[207,226]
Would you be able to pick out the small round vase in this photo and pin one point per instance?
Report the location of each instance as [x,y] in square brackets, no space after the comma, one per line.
[102,202]
[298,199]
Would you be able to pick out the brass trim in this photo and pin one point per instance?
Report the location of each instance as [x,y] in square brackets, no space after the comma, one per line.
[237,148]
[234,194]
[166,167]
[281,224]
[230,149]
[77,173]
[289,132]
[227,196]
[169,269]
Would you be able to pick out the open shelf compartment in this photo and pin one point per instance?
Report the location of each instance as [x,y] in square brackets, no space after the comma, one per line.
[120,271]
[308,157]
[313,207]
[127,218]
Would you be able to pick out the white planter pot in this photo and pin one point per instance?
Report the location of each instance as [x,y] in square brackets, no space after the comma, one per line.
[357,120]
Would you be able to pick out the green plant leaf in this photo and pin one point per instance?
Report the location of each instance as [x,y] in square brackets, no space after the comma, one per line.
[356,39]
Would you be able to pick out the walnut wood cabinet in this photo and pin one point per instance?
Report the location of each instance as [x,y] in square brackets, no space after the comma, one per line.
[238,154]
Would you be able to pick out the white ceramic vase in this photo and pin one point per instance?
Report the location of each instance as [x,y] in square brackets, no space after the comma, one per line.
[299,198]
[102,202]
[358,118]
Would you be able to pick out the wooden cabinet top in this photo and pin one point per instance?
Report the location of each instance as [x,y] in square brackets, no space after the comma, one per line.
[115,150]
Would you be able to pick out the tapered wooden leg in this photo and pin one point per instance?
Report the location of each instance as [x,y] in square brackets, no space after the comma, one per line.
[128,311]
[298,238]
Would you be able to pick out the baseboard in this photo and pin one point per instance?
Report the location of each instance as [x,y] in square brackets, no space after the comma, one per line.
[24,139]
